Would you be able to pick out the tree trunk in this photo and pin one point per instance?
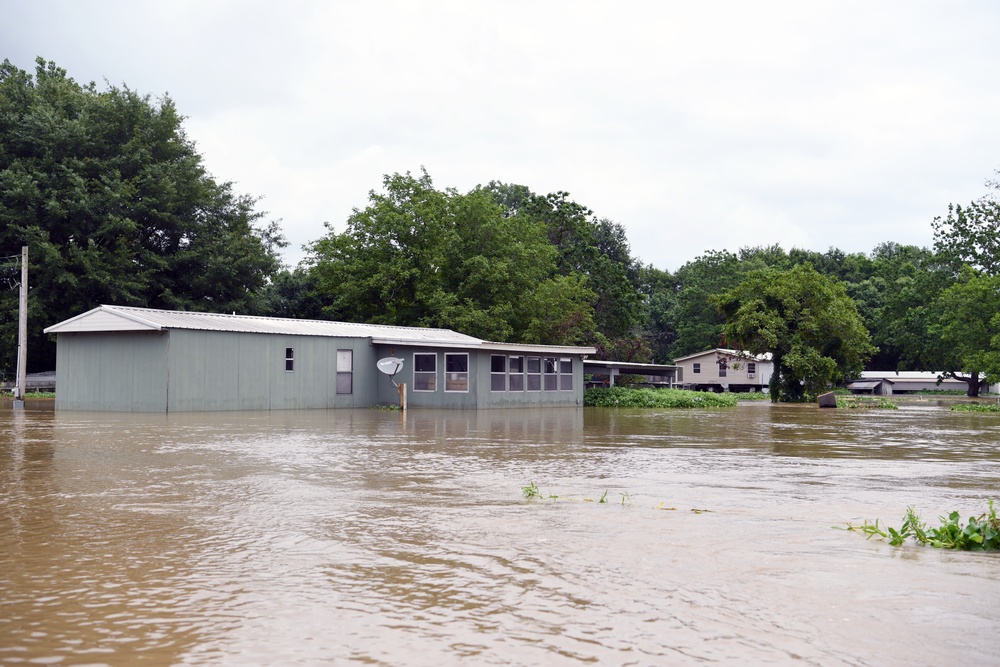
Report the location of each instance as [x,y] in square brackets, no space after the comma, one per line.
[973,381]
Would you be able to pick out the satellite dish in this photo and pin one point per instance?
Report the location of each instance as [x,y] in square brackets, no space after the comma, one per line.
[390,365]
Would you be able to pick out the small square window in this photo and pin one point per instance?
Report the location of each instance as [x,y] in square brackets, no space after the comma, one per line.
[696,368]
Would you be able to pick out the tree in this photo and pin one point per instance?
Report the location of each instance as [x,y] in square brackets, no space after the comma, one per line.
[805,320]
[595,248]
[419,256]
[967,322]
[114,203]
[971,235]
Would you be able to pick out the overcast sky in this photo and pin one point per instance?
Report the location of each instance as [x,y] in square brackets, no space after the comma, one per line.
[696,125]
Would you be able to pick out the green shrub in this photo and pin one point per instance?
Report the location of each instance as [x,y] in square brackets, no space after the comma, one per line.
[976,407]
[622,397]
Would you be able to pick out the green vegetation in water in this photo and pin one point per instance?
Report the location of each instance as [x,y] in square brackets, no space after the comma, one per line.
[533,492]
[867,403]
[981,533]
[621,397]
[976,407]
[386,406]
[751,395]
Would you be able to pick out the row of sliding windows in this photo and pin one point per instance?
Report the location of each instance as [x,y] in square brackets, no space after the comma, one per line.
[516,373]
[507,373]
[456,372]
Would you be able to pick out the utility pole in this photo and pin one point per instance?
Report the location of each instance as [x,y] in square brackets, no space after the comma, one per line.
[22,334]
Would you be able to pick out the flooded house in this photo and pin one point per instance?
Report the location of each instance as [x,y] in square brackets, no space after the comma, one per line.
[720,369]
[128,359]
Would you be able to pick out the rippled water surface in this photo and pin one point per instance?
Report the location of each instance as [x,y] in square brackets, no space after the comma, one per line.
[373,538]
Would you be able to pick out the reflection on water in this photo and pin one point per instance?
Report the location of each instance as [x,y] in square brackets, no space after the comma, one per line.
[375,538]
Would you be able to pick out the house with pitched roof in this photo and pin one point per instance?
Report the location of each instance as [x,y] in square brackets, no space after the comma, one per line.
[720,369]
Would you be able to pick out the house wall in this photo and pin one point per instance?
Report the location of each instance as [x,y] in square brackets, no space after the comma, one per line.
[120,372]
[243,371]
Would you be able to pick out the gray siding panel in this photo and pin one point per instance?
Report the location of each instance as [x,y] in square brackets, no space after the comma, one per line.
[121,372]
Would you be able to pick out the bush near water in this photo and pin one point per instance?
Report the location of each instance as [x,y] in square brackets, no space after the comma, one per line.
[622,397]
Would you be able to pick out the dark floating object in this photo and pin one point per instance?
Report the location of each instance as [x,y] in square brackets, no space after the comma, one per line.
[827,400]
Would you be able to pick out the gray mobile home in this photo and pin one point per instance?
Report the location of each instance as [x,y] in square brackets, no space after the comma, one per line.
[143,360]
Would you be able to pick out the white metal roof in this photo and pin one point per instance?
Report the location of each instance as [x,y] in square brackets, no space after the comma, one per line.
[124,318]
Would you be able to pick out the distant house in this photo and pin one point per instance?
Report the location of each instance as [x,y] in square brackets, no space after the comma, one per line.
[143,360]
[888,383]
[720,369]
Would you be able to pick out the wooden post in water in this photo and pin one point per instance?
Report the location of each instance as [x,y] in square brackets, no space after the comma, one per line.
[22,334]
[401,388]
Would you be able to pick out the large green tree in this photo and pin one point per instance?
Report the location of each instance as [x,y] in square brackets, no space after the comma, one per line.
[420,256]
[805,320]
[113,201]
[965,329]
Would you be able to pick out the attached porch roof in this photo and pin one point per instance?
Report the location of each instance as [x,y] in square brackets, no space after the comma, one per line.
[631,368]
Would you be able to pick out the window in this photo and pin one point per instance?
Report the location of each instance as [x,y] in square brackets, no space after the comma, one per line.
[345,371]
[566,375]
[498,372]
[751,368]
[425,372]
[516,368]
[551,379]
[722,369]
[289,359]
[697,368]
[534,374]
[456,371]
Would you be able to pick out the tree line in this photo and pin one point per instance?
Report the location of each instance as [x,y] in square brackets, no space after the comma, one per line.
[116,206]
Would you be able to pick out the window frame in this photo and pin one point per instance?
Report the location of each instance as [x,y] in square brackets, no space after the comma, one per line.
[458,375]
[498,379]
[532,377]
[345,376]
[696,368]
[428,375]
[550,373]
[565,376]
[515,377]
[289,359]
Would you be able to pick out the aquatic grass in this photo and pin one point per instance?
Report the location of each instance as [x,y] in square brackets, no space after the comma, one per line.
[867,403]
[622,397]
[976,407]
[981,533]
[533,492]
[751,395]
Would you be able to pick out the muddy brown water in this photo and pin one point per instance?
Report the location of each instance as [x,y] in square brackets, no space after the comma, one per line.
[372,538]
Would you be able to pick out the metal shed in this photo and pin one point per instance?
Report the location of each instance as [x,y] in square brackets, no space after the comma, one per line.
[128,359]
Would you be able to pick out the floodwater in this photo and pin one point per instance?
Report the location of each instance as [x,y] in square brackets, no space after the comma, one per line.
[372,538]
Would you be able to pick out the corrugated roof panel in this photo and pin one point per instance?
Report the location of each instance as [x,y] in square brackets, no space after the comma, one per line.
[124,318]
